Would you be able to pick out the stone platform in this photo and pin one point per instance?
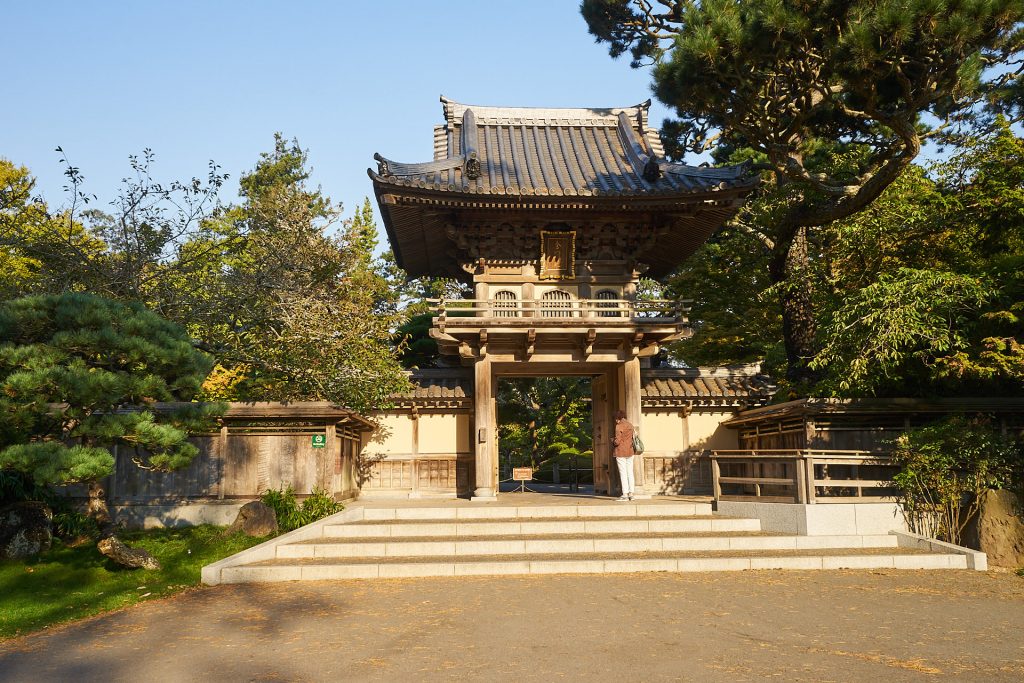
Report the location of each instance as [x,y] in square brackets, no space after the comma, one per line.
[538,534]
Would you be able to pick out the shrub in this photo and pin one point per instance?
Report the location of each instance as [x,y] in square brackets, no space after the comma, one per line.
[945,467]
[291,515]
[72,525]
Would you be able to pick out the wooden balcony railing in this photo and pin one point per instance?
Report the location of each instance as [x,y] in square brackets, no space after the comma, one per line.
[802,476]
[648,310]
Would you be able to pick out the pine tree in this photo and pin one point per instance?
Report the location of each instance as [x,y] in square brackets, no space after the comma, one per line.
[80,374]
[828,97]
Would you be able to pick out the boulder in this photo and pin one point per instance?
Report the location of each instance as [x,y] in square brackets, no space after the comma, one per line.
[255,519]
[134,558]
[25,530]
[1000,529]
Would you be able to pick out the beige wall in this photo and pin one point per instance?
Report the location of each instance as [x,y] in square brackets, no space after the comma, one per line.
[706,431]
[393,436]
[663,431]
[440,433]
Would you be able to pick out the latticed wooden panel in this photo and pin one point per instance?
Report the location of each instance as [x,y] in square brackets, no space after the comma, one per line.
[435,474]
[606,300]
[505,304]
[678,473]
[556,304]
[391,474]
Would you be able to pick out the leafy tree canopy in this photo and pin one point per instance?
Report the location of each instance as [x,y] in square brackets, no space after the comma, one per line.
[919,294]
[300,308]
[290,298]
[832,99]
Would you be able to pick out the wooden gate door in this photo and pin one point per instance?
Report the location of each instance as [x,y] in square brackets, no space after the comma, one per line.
[602,419]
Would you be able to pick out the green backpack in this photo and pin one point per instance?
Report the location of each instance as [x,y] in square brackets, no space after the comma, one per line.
[638,445]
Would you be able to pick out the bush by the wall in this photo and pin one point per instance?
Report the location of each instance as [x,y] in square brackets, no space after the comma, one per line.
[945,469]
[291,515]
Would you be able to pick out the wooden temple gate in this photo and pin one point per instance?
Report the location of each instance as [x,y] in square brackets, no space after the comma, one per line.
[552,216]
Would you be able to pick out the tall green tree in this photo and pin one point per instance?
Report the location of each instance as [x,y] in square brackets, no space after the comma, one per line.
[830,97]
[80,374]
[300,308]
[39,251]
[927,285]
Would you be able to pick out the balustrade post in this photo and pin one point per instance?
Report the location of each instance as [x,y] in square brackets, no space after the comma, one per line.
[800,479]
[811,494]
[716,474]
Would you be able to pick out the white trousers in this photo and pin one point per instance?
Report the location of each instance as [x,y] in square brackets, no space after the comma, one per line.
[626,475]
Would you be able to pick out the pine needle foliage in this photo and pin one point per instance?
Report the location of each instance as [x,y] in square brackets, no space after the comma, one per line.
[80,373]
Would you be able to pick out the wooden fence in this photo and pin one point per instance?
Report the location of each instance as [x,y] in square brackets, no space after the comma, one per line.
[258,446]
[802,476]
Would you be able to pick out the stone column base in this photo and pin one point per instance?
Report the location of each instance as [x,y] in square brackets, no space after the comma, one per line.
[484,495]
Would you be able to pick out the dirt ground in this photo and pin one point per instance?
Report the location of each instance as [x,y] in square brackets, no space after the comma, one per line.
[743,626]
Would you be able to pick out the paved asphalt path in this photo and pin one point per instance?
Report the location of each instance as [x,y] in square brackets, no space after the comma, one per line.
[744,626]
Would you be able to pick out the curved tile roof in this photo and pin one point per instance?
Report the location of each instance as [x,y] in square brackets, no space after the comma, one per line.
[660,386]
[523,151]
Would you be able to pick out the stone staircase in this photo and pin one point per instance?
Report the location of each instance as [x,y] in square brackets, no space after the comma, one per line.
[482,539]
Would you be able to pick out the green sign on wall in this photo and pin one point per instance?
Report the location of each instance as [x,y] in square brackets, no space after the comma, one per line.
[319,440]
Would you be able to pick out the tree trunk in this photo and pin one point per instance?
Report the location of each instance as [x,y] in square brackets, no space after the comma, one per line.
[789,268]
[98,510]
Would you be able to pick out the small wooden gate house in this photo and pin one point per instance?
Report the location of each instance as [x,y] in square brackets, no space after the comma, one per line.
[302,445]
[865,424]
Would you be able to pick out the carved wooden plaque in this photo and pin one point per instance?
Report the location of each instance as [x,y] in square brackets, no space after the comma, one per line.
[557,255]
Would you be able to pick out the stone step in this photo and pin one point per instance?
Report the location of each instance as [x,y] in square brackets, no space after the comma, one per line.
[646,509]
[320,569]
[413,546]
[536,527]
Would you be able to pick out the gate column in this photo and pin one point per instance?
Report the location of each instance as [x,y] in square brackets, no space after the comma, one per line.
[483,433]
[634,413]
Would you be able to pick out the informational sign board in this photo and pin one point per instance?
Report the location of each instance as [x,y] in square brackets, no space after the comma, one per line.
[319,440]
[522,473]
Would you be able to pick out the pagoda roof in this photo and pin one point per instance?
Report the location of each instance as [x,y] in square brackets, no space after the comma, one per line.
[553,152]
[537,158]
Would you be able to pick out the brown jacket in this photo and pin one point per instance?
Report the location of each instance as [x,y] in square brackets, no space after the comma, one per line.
[623,442]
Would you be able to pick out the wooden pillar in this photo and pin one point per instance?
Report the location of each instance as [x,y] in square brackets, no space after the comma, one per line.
[326,466]
[634,412]
[222,455]
[483,434]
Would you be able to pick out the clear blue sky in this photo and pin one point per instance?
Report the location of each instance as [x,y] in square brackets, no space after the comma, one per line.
[196,81]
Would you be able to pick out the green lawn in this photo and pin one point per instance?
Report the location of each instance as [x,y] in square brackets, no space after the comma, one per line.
[70,583]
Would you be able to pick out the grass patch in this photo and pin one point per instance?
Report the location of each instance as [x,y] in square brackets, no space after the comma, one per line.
[69,583]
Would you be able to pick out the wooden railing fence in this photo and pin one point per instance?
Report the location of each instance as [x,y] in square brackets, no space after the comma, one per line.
[802,476]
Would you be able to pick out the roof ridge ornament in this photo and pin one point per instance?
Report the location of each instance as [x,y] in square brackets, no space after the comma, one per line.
[652,171]
[382,165]
[471,170]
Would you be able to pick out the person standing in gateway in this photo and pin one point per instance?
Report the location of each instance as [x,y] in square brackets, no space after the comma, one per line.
[623,452]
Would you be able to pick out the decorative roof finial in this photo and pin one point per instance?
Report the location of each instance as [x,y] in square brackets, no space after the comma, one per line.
[382,165]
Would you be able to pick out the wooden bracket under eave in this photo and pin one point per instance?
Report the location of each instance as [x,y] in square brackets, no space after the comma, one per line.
[531,342]
[588,348]
[466,351]
[439,335]
[649,350]
[635,343]
[483,343]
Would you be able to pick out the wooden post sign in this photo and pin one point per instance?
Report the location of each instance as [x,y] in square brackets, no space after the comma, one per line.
[319,440]
[522,473]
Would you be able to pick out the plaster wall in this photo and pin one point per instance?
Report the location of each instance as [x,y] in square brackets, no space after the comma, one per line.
[443,433]
[707,433]
[663,431]
[394,436]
